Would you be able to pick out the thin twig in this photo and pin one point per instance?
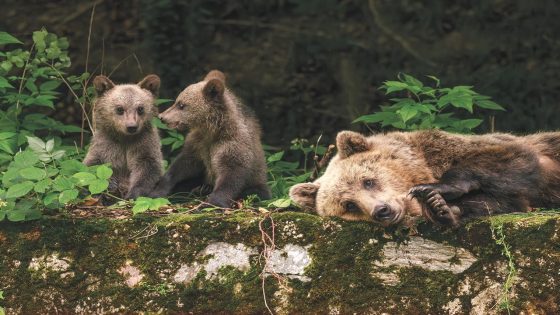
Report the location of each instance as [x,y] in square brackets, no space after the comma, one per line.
[73,93]
[322,163]
[401,40]
[23,74]
[84,89]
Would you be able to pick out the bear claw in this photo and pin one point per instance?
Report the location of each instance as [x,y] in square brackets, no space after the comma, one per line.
[437,207]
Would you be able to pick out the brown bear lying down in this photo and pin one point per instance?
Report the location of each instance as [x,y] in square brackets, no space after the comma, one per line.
[444,177]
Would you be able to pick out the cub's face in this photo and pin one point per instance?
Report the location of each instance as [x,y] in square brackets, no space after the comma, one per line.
[126,108]
[363,183]
[197,104]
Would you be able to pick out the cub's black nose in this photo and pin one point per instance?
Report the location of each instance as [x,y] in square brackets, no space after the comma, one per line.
[131,129]
[160,116]
[382,212]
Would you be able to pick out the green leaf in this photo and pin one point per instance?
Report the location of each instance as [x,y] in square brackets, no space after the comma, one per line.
[26,158]
[19,190]
[39,40]
[467,123]
[71,167]
[377,117]
[407,112]
[62,183]
[49,85]
[141,204]
[412,81]
[84,178]
[157,203]
[50,198]
[36,144]
[67,196]
[275,157]
[104,172]
[33,173]
[43,185]
[489,105]
[4,83]
[16,216]
[6,38]
[98,186]
[280,203]
[160,101]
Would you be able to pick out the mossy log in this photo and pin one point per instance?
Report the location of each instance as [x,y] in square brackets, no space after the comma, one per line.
[215,263]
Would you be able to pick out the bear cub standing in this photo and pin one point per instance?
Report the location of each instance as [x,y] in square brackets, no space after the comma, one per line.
[442,176]
[125,137]
[223,147]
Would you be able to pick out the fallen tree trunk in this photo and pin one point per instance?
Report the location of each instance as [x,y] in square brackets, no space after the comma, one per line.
[212,263]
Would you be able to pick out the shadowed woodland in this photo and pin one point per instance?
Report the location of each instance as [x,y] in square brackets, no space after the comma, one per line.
[311,67]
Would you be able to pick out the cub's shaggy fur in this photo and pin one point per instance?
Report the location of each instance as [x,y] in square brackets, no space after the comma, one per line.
[124,135]
[223,147]
[444,177]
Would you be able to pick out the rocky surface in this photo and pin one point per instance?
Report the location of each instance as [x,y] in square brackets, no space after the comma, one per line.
[288,262]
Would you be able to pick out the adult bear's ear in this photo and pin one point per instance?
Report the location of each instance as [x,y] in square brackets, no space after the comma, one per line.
[305,195]
[350,142]
[102,84]
[151,83]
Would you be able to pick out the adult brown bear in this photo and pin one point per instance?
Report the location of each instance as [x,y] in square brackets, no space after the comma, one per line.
[444,177]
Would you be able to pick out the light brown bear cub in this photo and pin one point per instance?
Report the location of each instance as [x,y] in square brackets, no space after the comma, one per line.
[444,177]
[223,147]
[125,137]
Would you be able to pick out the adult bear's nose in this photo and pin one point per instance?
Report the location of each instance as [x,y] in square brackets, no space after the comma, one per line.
[382,212]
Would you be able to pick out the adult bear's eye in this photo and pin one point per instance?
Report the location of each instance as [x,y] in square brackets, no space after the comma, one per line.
[140,110]
[120,110]
[181,106]
[351,207]
[369,183]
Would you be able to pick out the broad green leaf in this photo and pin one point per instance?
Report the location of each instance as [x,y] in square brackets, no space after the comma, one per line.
[141,205]
[488,105]
[19,190]
[70,167]
[467,123]
[377,117]
[157,203]
[50,198]
[16,216]
[412,81]
[98,186]
[49,85]
[84,178]
[26,158]
[34,173]
[160,101]
[36,144]
[407,112]
[280,203]
[62,183]
[275,157]
[8,145]
[7,135]
[4,83]
[67,196]
[49,145]
[42,185]
[6,38]
[104,172]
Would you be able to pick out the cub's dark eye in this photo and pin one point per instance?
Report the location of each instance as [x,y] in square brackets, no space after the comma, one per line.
[180,106]
[120,110]
[351,207]
[140,110]
[369,183]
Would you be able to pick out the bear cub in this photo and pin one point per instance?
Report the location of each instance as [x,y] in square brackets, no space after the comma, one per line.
[125,137]
[223,146]
[444,177]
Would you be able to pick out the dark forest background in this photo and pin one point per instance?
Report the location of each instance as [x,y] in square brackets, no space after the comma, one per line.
[311,67]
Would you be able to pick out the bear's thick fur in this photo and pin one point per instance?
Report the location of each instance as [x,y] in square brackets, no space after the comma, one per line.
[124,135]
[223,147]
[444,177]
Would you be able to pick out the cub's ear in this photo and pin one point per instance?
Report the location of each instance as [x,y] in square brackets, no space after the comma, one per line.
[102,84]
[215,74]
[151,83]
[214,90]
[304,195]
[350,142]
